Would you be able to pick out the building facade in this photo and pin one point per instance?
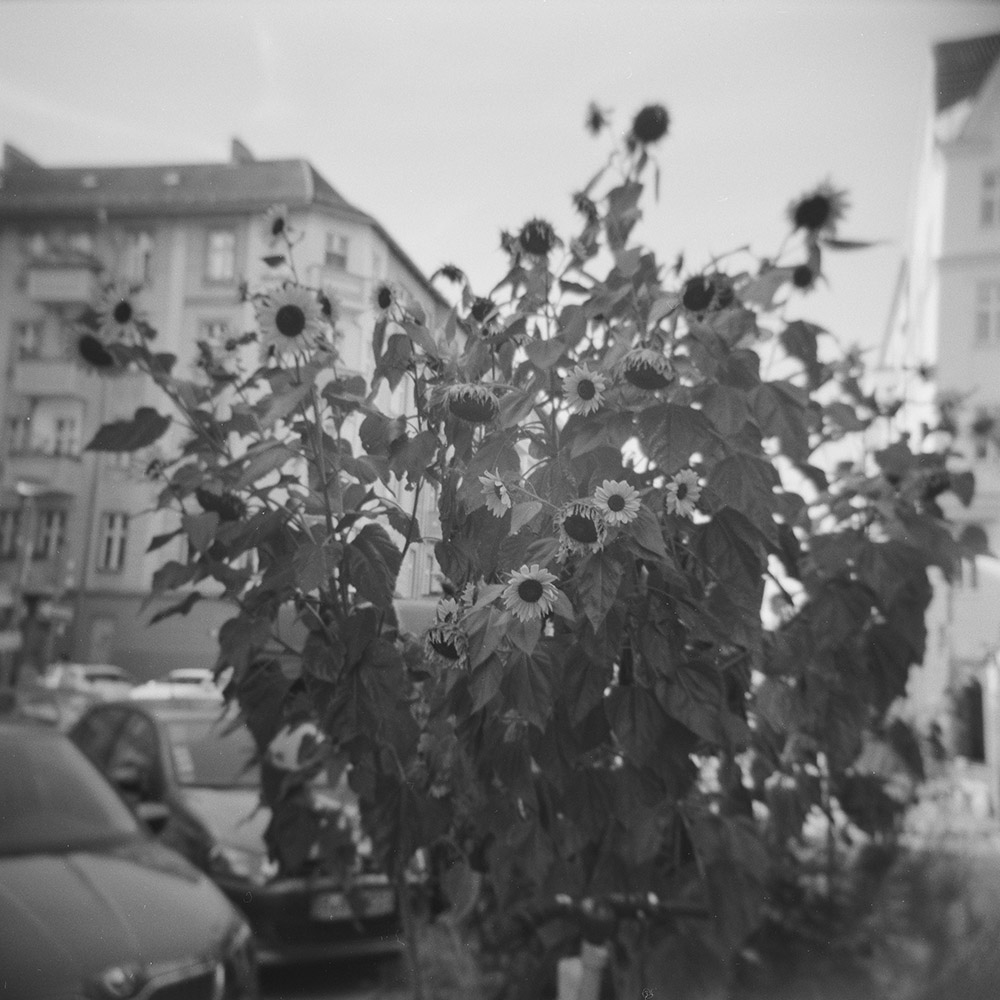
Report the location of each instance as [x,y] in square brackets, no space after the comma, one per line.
[942,348]
[75,525]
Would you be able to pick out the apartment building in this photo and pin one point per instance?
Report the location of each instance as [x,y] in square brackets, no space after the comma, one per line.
[75,525]
[942,346]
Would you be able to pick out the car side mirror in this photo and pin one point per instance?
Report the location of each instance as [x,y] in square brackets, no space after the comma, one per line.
[153,814]
[128,779]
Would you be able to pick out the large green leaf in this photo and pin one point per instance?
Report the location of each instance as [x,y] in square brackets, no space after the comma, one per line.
[671,434]
[636,719]
[598,580]
[146,427]
[780,414]
[747,485]
[373,562]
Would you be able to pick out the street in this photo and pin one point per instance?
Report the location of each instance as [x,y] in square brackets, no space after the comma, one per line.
[354,979]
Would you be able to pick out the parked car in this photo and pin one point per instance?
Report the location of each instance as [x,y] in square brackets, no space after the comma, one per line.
[194,760]
[62,693]
[91,905]
[185,682]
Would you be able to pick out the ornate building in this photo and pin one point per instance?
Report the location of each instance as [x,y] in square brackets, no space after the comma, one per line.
[75,525]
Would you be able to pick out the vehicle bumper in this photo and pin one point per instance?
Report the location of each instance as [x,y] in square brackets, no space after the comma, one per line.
[285,929]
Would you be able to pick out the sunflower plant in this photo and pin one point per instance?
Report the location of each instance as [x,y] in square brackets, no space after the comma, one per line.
[673,613]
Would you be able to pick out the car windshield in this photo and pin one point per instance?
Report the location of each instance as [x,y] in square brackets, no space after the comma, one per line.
[53,800]
[205,753]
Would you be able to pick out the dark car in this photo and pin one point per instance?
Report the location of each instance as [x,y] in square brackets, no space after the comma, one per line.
[189,759]
[91,906]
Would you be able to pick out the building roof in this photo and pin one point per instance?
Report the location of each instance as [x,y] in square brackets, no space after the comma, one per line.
[243,185]
[961,67]
[28,189]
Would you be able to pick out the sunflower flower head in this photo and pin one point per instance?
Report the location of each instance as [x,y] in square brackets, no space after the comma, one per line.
[682,493]
[538,238]
[647,369]
[530,593]
[819,210]
[617,501]
[496,493]
[447,640]
[584,390]
[290,318]
[471,402]
[803,276]
[276,224]
[118,314]
[597,118]
[385,297]
[581,528]
[650,124]
[482,308]
[447,610]
[698,293]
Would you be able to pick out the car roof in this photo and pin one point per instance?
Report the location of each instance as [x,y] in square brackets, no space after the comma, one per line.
[170,708]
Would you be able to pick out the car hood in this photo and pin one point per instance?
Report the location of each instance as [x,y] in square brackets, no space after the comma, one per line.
[232,816]
[68,917]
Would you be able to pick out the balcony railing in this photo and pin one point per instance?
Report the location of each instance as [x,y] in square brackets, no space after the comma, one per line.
[53,377]
[56,473]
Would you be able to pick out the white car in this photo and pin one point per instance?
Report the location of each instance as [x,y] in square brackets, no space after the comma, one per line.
[103,681]
[186,682]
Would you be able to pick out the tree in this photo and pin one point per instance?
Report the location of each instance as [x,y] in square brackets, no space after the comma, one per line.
[670,627]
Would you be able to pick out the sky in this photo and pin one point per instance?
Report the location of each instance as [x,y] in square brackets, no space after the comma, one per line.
[450,121]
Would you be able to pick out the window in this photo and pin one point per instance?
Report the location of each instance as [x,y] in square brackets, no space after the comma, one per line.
[220,256]
[137,258]
[336,251]
[111,545]
[82,242]
[10,524]
[67,440]
[989,204]
[17,434]
[28,337]
[987,329]
[51,533]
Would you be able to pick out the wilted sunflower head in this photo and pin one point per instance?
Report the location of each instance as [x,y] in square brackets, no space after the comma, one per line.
[473,403]
[819,210]
[538,238]
[276,224]
[118,313]
[650,124]
[482,308]
[581,527]
[647,369]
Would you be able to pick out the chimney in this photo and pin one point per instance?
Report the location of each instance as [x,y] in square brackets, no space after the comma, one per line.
[239,153]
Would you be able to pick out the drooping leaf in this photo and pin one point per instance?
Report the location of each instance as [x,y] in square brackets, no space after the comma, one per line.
[672,434]
[200,529]
[182,607]
[598,580]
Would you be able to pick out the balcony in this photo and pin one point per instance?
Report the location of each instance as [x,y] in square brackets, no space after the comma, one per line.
[55,473]
[52,377]
[65,284]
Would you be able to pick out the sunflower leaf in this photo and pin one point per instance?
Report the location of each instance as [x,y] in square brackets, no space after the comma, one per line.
[141,431]
[522,514]
[275,260]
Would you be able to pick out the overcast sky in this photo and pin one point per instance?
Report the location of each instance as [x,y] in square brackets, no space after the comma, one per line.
[451,120]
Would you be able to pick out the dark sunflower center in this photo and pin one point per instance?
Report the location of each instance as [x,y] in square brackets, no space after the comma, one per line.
[530,591]
[616,502]
[326,306]
[814,212]
[122,312]
[290,320]
[682,490]
[802,276]
[384,298]
[586,389]
[580,528]
[278,226]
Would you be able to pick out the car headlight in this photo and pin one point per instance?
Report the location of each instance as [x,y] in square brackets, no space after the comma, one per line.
[117,983]
[227,861]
